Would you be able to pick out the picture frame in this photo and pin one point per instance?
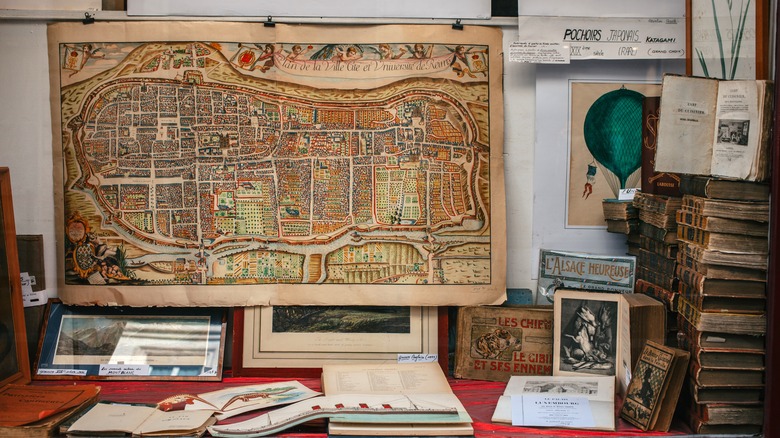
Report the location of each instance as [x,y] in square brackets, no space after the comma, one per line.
[587,336]
[727,40]
[131,343]
[259,350]
[14,360]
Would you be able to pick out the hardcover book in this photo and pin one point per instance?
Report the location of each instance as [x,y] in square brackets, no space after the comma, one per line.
[716,188]
[615,209]
[743,210]
[726,322]
[622,226]
[655,387]
[657,203]
[660,183]
[715,127]
[666,280]
[708,256]
[734,395]
[724,242]
[658,247]
[722,302]
[703,284]
[659,234]
[722,272]
[722,225]
[720,341]
[669,298]
[719,358]
[725,378]
[665,221]
[495,343]
[656,262]
[727,413]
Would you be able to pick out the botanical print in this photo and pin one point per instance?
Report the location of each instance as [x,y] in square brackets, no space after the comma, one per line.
[723,38]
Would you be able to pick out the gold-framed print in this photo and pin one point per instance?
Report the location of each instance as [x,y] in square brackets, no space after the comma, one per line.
[269,340]
[116,343]
[14,363]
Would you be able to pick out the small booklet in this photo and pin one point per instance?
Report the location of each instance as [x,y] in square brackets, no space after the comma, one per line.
[586,402]
[236,400]
[115,419]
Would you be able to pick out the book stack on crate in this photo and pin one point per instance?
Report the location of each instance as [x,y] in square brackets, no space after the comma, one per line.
[623,218]
[722,261]
[656,259]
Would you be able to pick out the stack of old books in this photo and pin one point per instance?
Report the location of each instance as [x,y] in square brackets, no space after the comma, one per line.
[656,259]
[622,217]
[722,262]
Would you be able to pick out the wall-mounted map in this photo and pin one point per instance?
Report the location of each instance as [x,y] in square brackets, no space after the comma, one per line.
[232,164]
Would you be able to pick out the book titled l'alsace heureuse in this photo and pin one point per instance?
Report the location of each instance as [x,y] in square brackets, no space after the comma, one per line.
[715,127]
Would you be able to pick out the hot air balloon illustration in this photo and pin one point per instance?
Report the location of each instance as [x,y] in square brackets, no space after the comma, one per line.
[613,135]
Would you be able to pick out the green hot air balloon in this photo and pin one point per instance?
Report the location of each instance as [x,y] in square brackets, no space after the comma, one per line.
[613,134]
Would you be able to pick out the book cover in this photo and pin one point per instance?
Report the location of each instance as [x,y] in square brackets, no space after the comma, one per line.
[725,378]
[566,269]
[497,342]
[661,183]
[655,387]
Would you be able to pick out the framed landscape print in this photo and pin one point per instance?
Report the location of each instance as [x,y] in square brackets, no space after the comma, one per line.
[728,39]
[147,343]
[298,340]
[14,363]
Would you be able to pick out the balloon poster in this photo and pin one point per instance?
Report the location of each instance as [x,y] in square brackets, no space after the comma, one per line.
[605,146]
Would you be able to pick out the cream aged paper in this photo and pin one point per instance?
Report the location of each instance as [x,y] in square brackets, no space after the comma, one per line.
[231,164]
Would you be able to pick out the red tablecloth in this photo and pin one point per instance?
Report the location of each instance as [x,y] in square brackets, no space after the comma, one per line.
[479,398]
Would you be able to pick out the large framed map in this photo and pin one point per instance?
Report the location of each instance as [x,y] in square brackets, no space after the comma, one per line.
[232,164]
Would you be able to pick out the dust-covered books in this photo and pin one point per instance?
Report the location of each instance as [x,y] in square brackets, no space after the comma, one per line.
[655,387]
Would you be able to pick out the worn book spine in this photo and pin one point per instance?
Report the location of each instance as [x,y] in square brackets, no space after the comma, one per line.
[657,203]
[690,277]
[666,221]
[709,377]
[666,296]
[666,236]
[719,341]
[669,250]
[709,303]
[721,225]
[656,262]
[721,359]
[755,211]
[664,279]
[723,241]
[708,187]
[703,255]
[726,413]
[721,271]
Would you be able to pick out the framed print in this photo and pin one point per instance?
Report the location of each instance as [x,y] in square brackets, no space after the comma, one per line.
[728,39]
[150,343]
[14,363]
[586,337]
[298,340]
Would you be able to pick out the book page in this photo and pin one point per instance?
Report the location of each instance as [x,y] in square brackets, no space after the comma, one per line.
[737,134]
[686,123]
[416,378]
[105,417]
[174,421]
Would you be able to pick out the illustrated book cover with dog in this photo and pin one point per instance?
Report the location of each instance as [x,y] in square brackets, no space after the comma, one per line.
[496,342]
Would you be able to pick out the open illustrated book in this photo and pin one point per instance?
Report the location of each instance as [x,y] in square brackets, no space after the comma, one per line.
[370,399]
[236,400]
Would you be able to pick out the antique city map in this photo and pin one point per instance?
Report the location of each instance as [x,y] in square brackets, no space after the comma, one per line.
[232,164]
